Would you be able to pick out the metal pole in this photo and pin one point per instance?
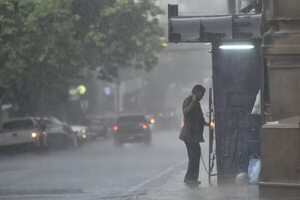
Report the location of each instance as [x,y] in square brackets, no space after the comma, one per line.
[1,97]
[231,7]
[238,6]
[210,137]
[0,111]
[117,95]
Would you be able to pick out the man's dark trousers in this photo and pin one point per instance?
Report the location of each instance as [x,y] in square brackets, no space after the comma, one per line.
[194,154]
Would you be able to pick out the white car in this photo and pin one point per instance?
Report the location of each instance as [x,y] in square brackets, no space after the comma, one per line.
[23,131]
[81,132]
[59,133]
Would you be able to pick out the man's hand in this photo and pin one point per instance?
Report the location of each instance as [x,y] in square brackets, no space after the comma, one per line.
[210,124]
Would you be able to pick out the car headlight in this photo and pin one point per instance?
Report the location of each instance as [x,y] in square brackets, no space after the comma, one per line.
[83,131]
[152,121]
[33,134]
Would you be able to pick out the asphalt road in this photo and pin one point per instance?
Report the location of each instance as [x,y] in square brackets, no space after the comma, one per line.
[97,170]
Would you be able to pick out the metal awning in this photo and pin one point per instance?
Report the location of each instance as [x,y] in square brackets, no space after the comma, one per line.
[215,28]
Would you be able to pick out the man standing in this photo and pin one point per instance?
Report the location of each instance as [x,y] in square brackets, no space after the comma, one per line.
[192,132]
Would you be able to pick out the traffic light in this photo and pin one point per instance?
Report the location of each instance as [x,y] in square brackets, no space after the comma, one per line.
[81,89]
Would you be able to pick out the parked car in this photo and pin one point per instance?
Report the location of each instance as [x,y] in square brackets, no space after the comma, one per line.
[59,133]
[23,131]
[95,127]
[131,128]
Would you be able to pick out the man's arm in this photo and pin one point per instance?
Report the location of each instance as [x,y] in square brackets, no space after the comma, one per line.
[188,108]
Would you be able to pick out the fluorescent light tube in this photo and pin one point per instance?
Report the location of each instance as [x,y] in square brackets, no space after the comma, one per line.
[236,46]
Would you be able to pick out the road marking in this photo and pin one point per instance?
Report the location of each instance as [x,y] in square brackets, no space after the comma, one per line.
[48,194]
[152,179]
[42,196]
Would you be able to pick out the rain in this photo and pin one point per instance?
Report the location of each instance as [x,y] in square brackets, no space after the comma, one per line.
[125,100]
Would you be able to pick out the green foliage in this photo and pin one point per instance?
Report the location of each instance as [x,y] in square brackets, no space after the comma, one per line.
[7,32]
[119,33]
[44,43]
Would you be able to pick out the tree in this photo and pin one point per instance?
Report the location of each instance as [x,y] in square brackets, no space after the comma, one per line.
[119,34]
[41,53]
[8,29]
[44,43]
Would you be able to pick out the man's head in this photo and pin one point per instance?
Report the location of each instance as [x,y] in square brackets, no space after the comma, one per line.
[199,91]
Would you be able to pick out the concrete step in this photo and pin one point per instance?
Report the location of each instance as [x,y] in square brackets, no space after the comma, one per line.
[285,190]
[298,172]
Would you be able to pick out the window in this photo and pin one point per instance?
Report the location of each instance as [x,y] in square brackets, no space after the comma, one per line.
[18,124]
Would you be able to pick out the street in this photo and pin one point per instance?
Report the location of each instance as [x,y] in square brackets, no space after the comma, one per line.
[97,170]
[94,96]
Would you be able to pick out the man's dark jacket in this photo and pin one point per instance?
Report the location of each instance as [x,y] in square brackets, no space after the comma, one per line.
[194,122]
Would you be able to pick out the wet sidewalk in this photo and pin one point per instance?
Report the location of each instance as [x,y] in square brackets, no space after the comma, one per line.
[175,189]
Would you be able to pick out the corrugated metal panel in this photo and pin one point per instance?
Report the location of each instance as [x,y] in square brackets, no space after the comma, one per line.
[236,82]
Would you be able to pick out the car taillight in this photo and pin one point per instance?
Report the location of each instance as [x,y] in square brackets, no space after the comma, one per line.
[115,128]
[144,126]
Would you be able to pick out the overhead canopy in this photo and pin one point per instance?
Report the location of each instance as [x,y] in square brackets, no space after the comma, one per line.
[215,28]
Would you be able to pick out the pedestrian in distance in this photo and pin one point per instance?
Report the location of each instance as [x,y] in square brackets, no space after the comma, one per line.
[192,132]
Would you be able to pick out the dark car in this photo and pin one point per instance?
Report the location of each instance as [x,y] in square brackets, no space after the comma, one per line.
[109,121]
[131,128]
[96,127]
